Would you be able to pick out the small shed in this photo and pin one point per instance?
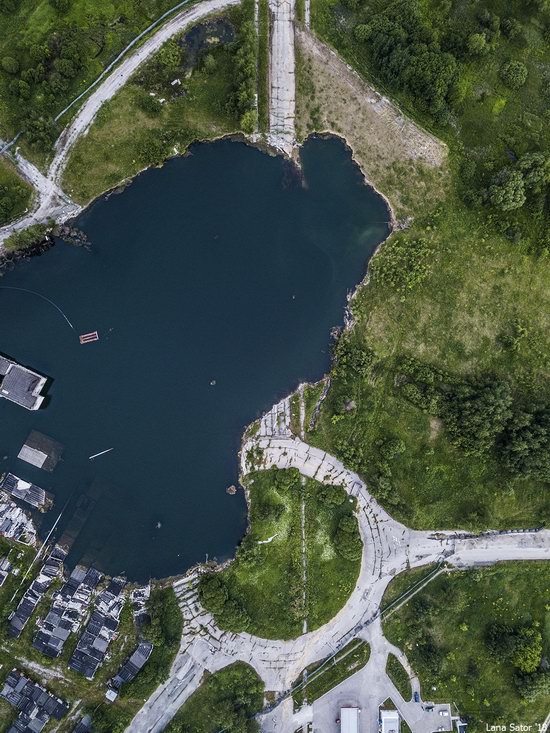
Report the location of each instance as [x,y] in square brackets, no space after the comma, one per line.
[349,720]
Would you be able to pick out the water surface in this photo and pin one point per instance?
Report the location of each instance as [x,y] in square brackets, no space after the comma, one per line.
[222,267]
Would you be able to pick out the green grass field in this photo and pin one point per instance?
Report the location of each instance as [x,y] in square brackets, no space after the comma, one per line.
[266,580]
[443,630]
[227,700]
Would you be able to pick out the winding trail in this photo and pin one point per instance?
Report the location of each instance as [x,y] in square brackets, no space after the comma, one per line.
[389,548]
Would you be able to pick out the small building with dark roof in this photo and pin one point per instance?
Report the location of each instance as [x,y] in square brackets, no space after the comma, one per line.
[133,664]
[25,491]
[35,703]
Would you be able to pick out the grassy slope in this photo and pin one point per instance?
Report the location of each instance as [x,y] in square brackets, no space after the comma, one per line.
[18,193]
[480,685]
[234,689]
[480,284]
[115,147]
[349,660]
[267,579]
[399,677]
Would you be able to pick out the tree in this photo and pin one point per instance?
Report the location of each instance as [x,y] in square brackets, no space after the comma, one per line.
[346,540]
[525,445]
[513,74]
[507,190]
[512,28]
[213,592]
[10,65]
[527,654]
[249,121]
[477,44]
[535,169]
[475,414]
[210,64]
[533,686]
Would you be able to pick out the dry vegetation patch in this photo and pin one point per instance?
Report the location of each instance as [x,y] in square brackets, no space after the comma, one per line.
[398,157]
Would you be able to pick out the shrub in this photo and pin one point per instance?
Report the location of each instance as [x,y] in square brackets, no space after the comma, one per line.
[514,74]
[507,190]
[10,65]
[402,263]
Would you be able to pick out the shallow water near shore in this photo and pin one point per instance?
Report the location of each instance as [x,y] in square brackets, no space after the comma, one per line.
[214,283]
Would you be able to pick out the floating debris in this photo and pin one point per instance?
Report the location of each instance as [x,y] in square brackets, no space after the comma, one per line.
[231,489]
[101,453]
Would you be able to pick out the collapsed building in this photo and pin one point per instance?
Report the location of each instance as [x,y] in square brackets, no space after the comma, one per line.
[35,704]
[130,668]
[21,385]
[25,491]
[15,524]
[52,568]
[100,630]
[67,612]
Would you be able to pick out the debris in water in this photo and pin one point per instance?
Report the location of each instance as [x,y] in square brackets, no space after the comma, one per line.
[231,489]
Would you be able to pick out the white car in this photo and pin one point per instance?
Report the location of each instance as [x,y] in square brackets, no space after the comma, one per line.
[444,712]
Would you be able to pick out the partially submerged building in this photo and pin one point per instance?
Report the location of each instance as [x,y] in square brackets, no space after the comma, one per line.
[100,630]
[52,568]
[132,665]
[41,451]
[84,725]
[67,612]
[21,385]
[35,703]
[15,524]
[25,491]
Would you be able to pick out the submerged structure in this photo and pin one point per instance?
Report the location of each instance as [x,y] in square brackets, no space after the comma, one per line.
[25,491]
[100,631]
[41,451]
[68,611]
[21,385]
[51,569]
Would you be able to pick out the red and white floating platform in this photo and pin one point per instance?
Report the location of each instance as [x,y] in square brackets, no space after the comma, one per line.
[87,338]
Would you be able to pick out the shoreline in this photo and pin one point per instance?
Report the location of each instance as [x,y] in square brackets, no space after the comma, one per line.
[348,321]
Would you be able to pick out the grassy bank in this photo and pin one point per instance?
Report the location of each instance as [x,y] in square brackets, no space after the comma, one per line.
[399,676]
[15,194]
[479,637]
[227,700]
[135,130]
[262,590]
[323,676]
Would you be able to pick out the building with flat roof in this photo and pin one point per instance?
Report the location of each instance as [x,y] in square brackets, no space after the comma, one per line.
[389,721]
[349,720]
[21,385]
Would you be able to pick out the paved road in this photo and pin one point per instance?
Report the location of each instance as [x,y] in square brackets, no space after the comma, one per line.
[389,548]
[50,202]
[282,83]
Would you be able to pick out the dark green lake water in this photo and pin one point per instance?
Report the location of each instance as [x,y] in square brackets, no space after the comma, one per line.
[220,266]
